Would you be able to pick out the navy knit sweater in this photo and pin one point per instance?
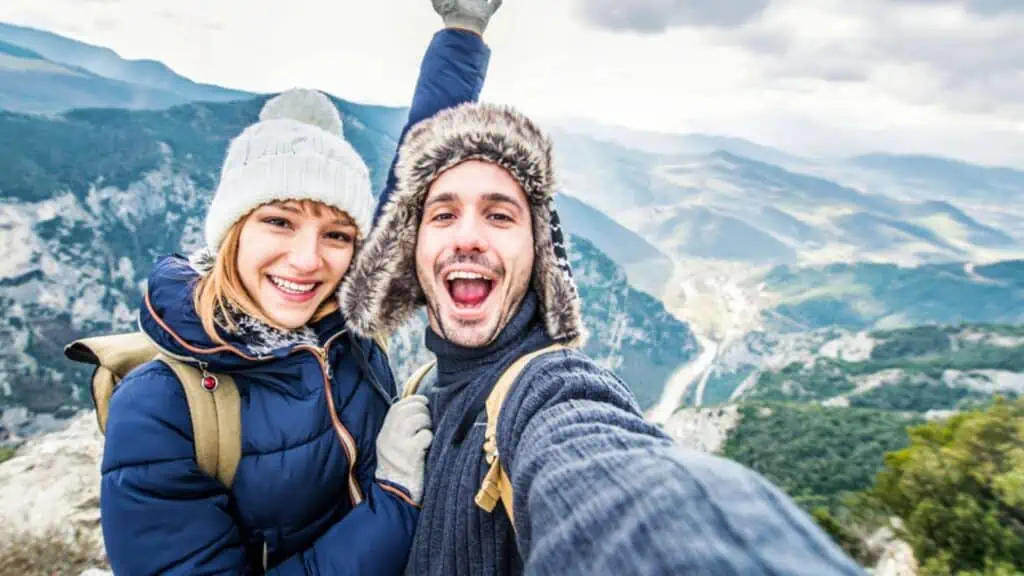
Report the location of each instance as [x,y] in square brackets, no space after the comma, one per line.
[598,490]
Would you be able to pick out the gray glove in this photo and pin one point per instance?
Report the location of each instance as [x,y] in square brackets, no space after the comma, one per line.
[471,14]
[402,444]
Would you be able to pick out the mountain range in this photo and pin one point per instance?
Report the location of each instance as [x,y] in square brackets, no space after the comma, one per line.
[92,197]
[732,237]
[719,204]
[44,72]
[804,310]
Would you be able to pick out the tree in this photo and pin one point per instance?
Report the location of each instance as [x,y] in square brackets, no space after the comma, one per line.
[959,488]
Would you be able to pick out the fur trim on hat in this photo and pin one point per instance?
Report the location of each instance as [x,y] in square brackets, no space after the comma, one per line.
[381,290]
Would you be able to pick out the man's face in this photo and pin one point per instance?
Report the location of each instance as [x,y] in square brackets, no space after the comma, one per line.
[474,252]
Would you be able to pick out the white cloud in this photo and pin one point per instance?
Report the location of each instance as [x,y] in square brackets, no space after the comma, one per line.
[813,76]
[659,15]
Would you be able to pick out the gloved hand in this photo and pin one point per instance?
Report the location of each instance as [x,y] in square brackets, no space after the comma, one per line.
[471,14]
[402,444]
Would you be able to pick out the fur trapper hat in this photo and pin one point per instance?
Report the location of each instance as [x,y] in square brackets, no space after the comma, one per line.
[381,291]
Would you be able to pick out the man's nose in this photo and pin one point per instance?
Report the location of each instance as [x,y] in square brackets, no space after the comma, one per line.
[471,235]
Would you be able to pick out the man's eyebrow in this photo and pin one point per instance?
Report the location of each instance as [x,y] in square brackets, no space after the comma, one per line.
[440,198]
[501,198]
[491,197]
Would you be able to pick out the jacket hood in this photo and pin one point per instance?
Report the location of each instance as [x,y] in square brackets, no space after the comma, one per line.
[381,291]
[168,317]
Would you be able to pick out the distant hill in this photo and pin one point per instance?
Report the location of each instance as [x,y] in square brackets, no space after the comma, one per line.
[717,198]
[105,62]
[953,177]
[42,72]
[790,314]
[32,83]
[870,295]
[647,267]
[13,51]
[916,368]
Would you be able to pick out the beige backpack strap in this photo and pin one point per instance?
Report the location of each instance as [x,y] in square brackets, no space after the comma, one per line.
[114,356]
[215,406]
[413,383]
[381,341]
[497,485]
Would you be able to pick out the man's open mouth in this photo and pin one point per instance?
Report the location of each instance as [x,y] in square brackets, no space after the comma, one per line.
[468,289]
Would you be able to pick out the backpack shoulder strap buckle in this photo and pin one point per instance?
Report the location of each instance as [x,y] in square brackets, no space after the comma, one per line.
[413,384]
[496,484]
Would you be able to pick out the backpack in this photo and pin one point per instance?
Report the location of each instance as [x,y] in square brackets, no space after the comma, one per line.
[213,399]
[496,484]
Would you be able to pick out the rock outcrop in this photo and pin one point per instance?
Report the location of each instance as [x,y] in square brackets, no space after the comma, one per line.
[703,429]
[51,485]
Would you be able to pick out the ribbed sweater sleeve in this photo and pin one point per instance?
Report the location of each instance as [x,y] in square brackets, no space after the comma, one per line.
[599,490]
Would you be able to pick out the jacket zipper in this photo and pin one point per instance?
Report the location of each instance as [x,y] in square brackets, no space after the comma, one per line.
[347,441]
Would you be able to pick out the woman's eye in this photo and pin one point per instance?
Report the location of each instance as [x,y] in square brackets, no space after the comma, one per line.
[276,221]
[340,236]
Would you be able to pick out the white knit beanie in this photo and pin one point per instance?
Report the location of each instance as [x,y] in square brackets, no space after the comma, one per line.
[295,151]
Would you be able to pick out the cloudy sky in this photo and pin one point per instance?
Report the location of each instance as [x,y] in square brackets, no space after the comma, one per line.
[816,77]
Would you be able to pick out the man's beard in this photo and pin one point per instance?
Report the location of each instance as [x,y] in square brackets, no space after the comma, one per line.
[474,334]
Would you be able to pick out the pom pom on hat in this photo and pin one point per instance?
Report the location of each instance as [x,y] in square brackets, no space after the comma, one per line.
[296,151]
[304,105]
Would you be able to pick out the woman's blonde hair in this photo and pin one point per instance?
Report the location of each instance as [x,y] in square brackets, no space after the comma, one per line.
[221,291]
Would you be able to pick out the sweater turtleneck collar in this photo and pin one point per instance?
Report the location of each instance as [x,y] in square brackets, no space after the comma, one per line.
[474,371]
[453,359]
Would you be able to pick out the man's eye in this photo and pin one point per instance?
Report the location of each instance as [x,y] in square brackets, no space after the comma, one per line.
[443,216]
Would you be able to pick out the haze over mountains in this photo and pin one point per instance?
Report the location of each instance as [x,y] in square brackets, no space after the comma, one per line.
[724,199]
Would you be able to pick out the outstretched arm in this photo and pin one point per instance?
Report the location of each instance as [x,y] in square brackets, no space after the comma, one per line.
[598,490]
[452,71]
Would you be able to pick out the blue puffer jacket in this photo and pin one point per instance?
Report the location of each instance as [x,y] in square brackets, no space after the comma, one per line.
[304,493]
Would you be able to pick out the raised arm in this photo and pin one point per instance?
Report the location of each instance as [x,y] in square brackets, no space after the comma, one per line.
[598,490]
[453,68]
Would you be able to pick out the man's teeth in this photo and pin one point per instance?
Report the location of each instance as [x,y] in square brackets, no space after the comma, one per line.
[459,275]
[292,286]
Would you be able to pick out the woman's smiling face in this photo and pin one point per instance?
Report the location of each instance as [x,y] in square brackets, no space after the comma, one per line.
[292,256]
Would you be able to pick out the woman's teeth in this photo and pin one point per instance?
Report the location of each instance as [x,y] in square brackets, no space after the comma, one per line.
[292,287]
